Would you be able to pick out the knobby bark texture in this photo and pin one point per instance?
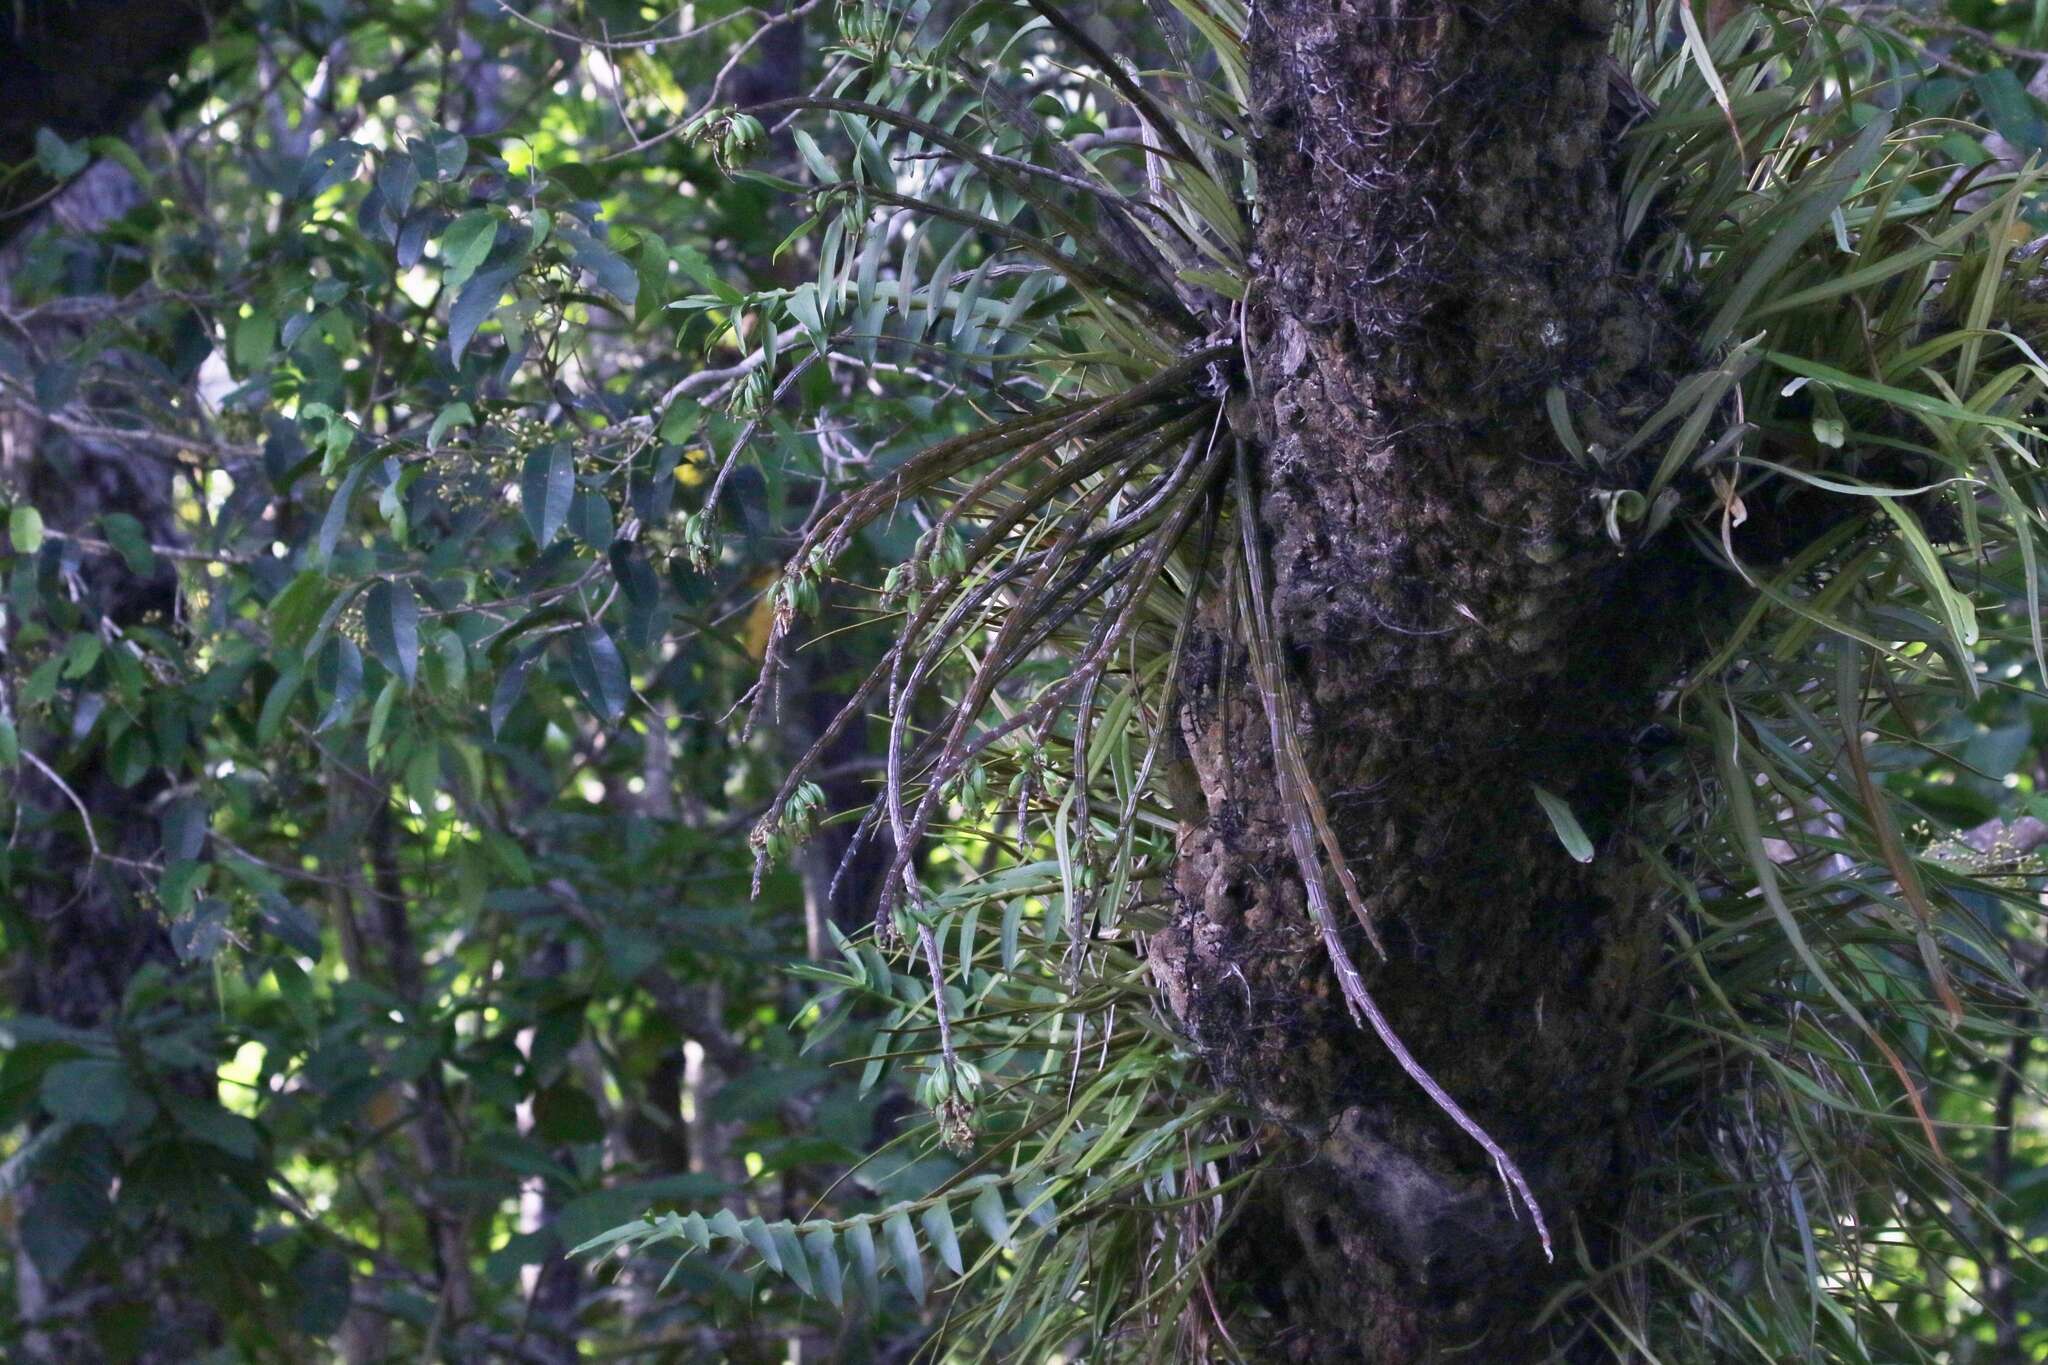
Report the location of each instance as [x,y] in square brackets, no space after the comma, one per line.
[1438,248]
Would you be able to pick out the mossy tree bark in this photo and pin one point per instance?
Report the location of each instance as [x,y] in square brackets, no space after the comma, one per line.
[1438,249]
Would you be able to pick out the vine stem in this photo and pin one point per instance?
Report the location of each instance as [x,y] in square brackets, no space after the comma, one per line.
[929,942]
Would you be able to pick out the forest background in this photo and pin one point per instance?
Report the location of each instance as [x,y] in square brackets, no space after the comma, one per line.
[429,846]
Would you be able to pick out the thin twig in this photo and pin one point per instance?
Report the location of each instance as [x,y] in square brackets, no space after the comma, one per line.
[92,839]
[178,552]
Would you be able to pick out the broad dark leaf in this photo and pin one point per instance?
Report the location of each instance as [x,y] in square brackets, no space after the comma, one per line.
[391,619]
[599,672]
[547,484]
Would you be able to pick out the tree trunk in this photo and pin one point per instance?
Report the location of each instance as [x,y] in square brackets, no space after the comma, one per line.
[1438,248]
[83,69]
[83,923]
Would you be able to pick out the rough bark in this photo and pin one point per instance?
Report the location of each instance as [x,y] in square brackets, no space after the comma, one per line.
[82,69]
[1438,248]
[90,927]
